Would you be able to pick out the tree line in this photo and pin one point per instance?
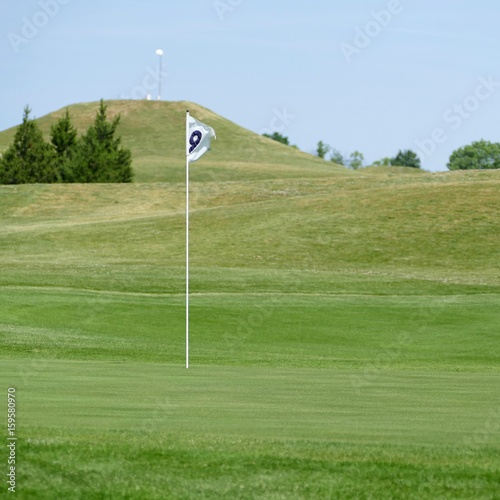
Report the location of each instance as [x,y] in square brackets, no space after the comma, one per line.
[95,156]
[479,155]
[404,158]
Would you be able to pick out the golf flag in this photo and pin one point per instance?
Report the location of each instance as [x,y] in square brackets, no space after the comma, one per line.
[197,139]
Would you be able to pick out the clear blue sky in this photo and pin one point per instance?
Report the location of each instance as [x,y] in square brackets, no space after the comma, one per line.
[324,69]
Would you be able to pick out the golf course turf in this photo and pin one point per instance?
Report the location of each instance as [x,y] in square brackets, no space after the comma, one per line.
[344,333]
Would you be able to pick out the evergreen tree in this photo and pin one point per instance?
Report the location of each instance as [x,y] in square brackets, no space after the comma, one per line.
[64,139]
[99,156]
[63,135]
[29,159]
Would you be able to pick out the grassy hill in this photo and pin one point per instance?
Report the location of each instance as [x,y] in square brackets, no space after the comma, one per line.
[344,329]
[155,132]
[437,229]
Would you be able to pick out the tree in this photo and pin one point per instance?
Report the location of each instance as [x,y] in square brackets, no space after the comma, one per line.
[29,159]
[95,157]
[384,162]
[63,135]
[64,139]
[98,155]
[478,155]
[336,157]
[406,158]
[356,160]
[276,136]
[322,149]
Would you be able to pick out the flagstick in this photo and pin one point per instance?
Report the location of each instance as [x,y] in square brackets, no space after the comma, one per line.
[197,144]
[187,243]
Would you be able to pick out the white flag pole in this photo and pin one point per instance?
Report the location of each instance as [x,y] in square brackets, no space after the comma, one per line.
[187,240]
[196,146]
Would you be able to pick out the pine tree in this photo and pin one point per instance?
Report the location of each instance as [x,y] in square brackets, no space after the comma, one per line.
[99,156]
[63,134]
[29,159]
[63,137]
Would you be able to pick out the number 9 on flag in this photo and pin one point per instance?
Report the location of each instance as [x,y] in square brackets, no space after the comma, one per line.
[198,138]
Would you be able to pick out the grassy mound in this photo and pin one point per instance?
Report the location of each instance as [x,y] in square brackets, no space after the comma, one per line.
[155,132]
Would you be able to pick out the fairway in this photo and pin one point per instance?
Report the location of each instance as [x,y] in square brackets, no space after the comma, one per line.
[344,337]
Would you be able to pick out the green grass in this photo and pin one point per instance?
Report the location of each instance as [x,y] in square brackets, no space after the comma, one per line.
[159,431]
[344,337]
[297,330]
[124,464]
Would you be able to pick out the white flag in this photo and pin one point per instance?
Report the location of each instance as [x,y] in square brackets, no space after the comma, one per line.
[198,139]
